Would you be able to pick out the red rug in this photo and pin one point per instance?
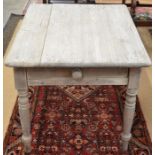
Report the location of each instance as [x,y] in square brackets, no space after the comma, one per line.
[77,120]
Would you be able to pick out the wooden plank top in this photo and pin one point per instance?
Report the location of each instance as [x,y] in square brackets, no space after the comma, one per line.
[76,35]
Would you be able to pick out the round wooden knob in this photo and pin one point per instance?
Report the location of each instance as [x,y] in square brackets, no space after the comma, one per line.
[77,74]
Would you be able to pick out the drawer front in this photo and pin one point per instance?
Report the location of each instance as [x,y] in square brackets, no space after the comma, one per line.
[77,76]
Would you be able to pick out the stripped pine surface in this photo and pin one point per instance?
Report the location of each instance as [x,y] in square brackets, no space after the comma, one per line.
[65,35]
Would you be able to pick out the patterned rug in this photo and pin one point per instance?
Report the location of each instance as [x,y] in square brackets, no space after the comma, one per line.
[143,13]
[77,120]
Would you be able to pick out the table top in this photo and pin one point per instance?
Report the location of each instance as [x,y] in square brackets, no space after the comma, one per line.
[76,35]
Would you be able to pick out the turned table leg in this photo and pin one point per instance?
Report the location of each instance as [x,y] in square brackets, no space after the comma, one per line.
[129,108]
[23,105]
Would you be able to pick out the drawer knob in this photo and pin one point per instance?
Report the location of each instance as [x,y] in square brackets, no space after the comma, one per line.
[77,74]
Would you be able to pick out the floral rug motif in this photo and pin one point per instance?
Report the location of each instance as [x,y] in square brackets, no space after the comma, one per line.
[77,120]
[80,92]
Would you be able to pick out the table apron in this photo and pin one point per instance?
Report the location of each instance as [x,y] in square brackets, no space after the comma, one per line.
[90,76]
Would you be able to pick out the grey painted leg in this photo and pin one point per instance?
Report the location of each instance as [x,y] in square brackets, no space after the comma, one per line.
[128,116]
[129,108]
[24,112]
[25,119]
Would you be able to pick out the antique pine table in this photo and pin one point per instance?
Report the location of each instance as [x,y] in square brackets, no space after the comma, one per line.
[72,44]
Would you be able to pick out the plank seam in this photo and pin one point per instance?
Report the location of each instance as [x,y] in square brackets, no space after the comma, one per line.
[46,34]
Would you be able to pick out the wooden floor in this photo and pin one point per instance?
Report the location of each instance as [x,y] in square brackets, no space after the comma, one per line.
[9,91]
[145,91]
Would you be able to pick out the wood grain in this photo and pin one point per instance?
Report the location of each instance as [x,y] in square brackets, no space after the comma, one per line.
[29,42]
[77,35]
